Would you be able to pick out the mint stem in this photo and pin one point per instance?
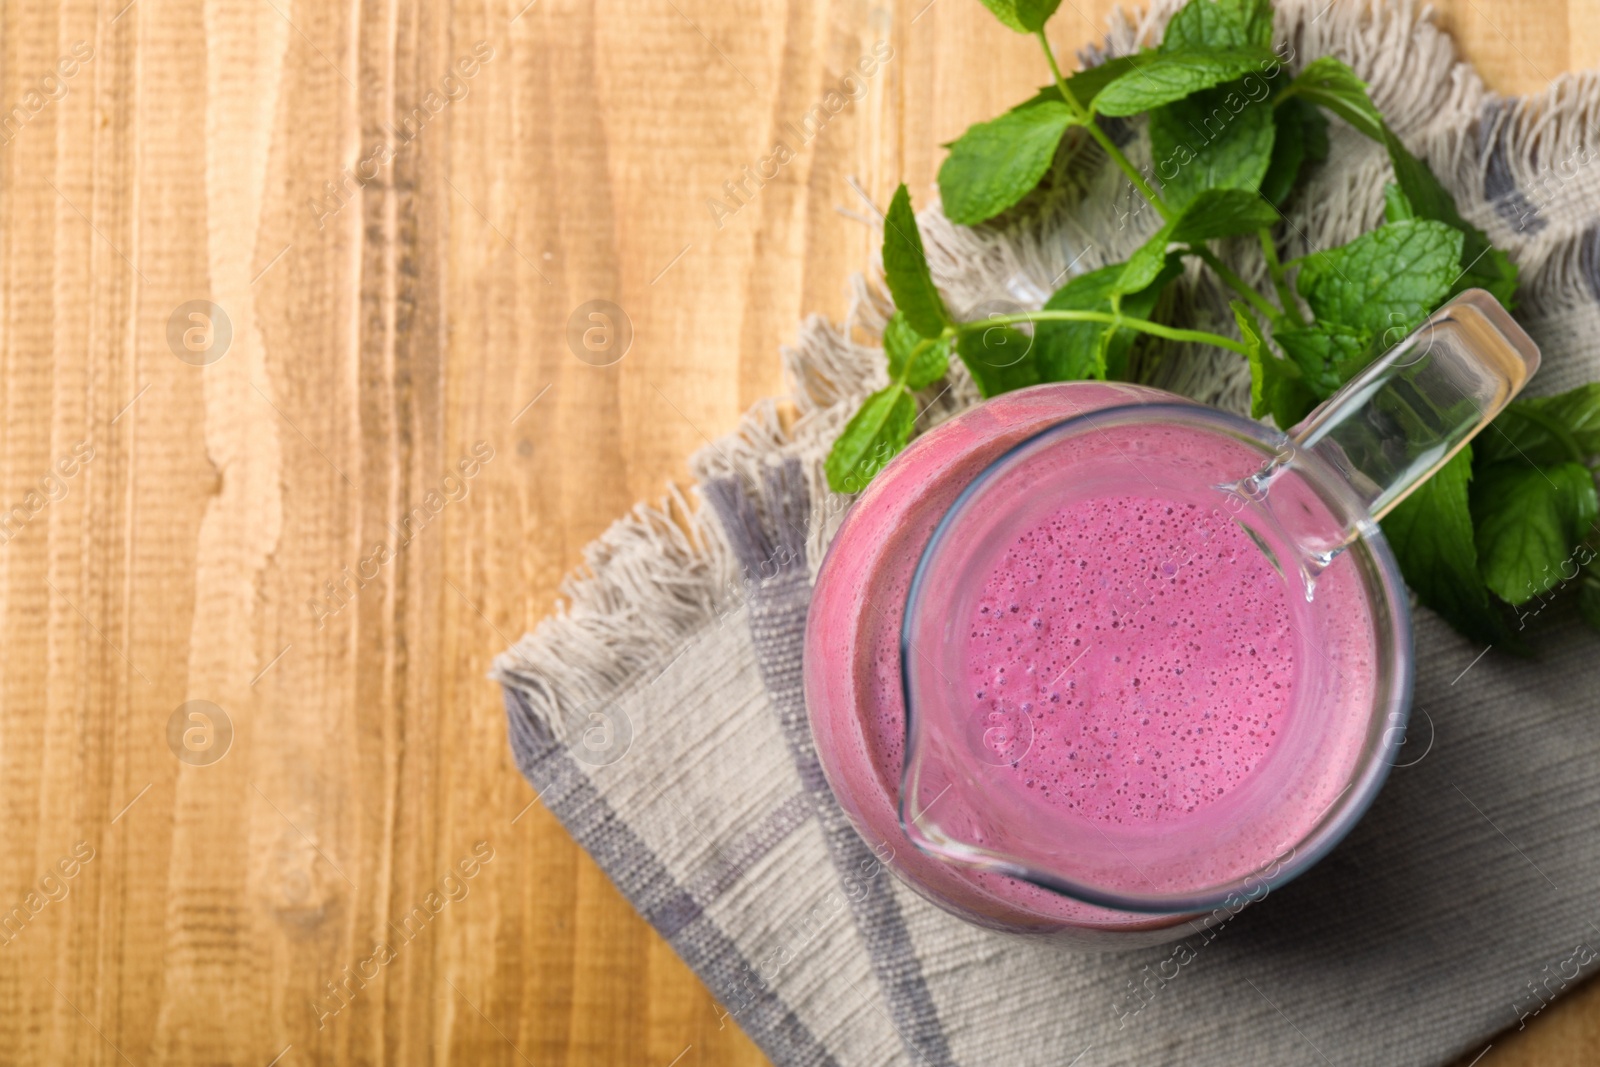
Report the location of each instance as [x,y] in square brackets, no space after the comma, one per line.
[1155,329]
[1099,135]
[1280,278]
[1236,283]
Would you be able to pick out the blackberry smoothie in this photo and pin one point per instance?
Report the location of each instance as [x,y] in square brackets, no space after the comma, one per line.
[1144,710]
[1132,689]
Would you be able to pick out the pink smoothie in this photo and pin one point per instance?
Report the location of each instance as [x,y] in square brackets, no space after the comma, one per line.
[1142,710]
[1160,664]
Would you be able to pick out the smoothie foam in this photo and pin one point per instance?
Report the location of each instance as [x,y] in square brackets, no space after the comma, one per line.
[1145,708]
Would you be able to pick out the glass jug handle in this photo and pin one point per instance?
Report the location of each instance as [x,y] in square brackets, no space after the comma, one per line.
[1403,417]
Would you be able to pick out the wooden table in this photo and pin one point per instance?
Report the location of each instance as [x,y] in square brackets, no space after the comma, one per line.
[329,451]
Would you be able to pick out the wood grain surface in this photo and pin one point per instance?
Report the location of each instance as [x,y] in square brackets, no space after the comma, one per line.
[322,505]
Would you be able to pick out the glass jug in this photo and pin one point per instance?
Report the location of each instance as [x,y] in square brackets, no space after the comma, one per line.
[1093,660]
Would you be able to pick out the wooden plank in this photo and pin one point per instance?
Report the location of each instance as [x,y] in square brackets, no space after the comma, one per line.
[284,527]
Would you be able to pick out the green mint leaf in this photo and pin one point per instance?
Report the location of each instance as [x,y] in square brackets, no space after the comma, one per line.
[1383,281]
[1522,432]
[1276,387]
[1493,272]
[1047,94]
[1222,213]
[1256,18]
[1396,206]
[1086,84]
[1162,77]
[1329,83]
[1070,351]
[1589,600]
[900,338]
[1024,16]
[1328,355]
[1431,534]
[995,164]
[929,362]
[1302,138]
[1584,504]
[1483,266]
[1205,24]
[905,268]
[914,360]
[1530,520]
[1147,262]
[872,437]
[1000,359]
[1035,13]
[1215,139]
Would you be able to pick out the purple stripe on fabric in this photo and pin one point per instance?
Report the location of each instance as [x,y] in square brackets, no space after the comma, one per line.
[566,789]
[770,541]
[1499,182]
[770,832]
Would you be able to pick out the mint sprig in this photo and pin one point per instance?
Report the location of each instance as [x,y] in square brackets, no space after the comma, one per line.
[995,164]
[1491,537]
[905,268]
